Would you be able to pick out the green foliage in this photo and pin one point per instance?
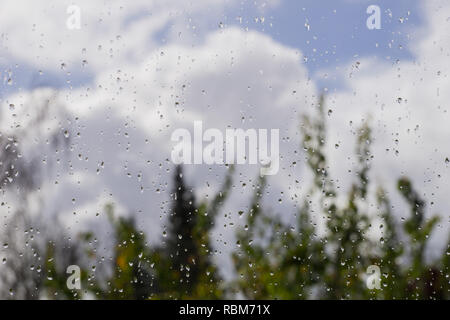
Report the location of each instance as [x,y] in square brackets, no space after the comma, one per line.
[184,266]
[131,276]
[276,261]
[324,254]
[55,272]
[181,267]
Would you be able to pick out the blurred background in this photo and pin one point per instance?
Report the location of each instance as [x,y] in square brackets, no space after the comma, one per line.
[91,92]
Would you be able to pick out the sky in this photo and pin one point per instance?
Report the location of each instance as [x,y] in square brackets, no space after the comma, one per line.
[136,71]
[328,33]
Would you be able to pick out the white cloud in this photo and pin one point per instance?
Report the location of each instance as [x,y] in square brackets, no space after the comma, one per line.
[124,120]
[408,104]
[111,33]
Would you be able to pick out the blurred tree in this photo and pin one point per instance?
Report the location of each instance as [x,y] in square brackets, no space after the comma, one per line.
[184,265]
[274,259]
[60,253]
[277,261]
[182,250]
[25,238]
[130,271]
[180,268]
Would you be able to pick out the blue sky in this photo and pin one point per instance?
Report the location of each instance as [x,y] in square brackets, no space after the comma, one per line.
[333,32]
[337,31]
[337,34]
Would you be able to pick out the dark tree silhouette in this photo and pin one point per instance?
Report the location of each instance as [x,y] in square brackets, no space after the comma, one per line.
[182,248]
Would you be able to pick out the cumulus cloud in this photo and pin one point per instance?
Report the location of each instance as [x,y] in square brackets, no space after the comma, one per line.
[407,103]
[111,33]
[120,126]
